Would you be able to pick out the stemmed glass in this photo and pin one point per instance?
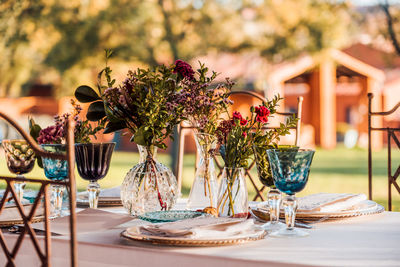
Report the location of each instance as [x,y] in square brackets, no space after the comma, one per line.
[274,196]
[290,170]
[56,170]
[20,160]
[93,162]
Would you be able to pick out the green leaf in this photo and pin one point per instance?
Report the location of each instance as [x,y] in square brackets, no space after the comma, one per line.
[96,111]
[34,129]
[114,126]
[140,138]
[86,94]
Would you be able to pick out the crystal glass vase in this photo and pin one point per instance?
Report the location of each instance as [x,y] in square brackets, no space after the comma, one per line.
[149,185]
[232,193]
[205,187]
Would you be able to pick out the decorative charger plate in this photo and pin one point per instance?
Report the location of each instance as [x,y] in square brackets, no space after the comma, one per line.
[36,219]
[103,202]
[366,207]
[170,215]
[134,234]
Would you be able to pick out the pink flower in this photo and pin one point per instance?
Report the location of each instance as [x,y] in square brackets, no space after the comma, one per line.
[51,135]
[184,69]
[237,116]
[262,114]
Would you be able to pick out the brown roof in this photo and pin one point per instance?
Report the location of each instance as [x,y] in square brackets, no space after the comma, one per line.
[374,57]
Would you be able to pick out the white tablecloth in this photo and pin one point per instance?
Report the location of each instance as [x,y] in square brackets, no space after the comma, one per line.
[364,241]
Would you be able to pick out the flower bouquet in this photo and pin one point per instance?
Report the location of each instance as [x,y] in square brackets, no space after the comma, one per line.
[234,138]
[202,106]
[145,105]
[264,139]
[52,139]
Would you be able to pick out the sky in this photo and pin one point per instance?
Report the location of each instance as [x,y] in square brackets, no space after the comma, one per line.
[373,2]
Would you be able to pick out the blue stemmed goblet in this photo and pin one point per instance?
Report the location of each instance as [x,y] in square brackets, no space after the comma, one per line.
[290,170]
[56,170]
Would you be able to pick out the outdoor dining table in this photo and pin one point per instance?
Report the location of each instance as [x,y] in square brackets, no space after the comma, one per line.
[360,241]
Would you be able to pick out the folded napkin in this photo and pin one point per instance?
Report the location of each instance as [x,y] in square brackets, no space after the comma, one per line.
[108,193]
[327,202]
[202,227]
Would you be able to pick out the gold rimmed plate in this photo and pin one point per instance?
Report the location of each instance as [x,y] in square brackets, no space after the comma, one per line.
[102,202]
[36,219]
[134,234]
[366,207]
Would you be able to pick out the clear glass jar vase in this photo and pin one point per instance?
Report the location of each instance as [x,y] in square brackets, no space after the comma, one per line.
[232,194]
[149,185]
[204,191]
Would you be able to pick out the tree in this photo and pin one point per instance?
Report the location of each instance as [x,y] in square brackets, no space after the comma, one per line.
[390,21]
[62,42]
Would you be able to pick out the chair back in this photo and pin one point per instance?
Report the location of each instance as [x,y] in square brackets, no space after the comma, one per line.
[391,137]
[43,194]
[247,99]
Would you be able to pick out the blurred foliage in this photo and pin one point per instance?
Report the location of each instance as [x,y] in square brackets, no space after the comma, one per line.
[61,42]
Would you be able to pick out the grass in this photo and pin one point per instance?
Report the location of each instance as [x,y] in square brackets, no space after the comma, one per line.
[335,171]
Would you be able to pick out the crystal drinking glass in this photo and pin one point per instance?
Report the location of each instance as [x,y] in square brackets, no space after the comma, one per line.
[56,170]
[290,170]
[20,160]
[93,162]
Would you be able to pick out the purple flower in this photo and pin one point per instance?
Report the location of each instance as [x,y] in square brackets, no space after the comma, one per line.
[184,69]
[51,135]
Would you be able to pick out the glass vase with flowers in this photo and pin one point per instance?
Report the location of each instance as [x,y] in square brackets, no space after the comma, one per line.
[143,104]
[203,103]
[235,148]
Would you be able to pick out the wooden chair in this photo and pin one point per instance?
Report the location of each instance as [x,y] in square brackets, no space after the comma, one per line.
[184,128]
[391,136]
[43,193]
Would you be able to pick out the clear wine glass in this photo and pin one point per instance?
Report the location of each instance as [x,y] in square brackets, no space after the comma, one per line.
[93,161]
[20,160]
[290,170]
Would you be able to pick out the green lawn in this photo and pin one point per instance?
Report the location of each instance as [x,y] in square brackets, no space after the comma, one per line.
[338,170]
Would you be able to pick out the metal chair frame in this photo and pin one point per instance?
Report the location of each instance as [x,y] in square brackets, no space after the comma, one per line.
[44,256]
[391,135]
[184,128]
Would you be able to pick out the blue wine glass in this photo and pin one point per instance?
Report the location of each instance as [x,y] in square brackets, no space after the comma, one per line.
[56,170]
[290,170]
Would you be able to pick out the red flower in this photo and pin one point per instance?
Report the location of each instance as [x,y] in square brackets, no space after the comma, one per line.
[184,69]
[237,116]
[244,134]
[262,114]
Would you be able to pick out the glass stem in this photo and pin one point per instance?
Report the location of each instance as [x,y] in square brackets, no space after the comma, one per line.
[93,193]
[19,188]
[290,205]
[274,202]
[57,191]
